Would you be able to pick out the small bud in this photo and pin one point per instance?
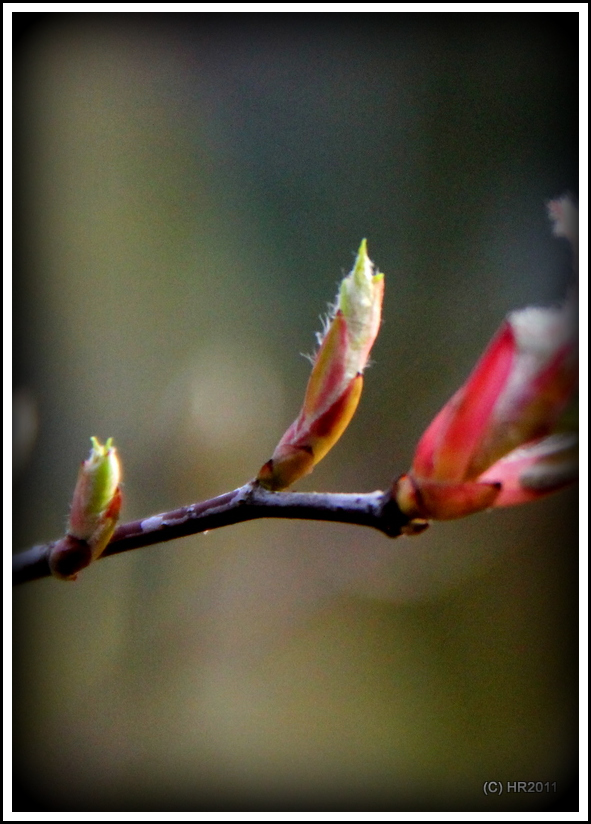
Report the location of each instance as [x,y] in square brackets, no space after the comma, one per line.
[336,381]
[93,514]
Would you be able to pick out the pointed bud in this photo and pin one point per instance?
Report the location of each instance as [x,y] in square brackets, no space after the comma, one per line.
[336,381]
[93,514]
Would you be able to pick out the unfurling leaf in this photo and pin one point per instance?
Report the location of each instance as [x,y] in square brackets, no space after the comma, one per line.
[336,381]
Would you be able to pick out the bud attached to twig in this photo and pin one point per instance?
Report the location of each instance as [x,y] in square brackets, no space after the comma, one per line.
[507,436]
[93,514]
[336,381]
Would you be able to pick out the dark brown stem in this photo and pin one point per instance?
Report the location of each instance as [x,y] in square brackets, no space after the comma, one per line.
[248,502]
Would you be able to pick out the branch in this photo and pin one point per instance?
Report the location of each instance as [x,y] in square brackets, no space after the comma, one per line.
[376,509]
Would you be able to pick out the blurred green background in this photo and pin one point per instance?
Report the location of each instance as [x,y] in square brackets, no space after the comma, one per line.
[189,190]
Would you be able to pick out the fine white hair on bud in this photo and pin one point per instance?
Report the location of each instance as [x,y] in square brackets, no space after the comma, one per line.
[334,387]
[360,301]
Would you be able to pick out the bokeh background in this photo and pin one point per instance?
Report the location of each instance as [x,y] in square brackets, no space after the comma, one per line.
[189,190]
